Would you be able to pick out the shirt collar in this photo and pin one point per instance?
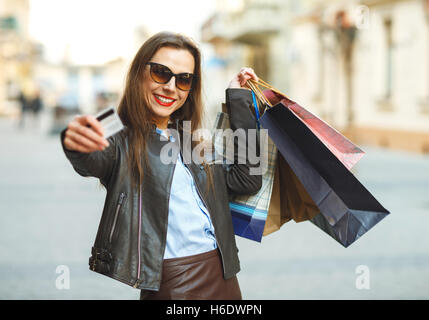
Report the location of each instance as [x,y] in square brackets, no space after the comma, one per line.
[164,134]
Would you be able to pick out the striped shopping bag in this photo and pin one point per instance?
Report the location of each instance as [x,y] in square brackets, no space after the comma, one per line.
[249,212]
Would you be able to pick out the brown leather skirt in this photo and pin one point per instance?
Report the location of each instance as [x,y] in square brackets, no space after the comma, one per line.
[196,277]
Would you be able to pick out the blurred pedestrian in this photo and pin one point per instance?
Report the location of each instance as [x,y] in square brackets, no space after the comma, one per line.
[35,105]
[166,228]
[24,108]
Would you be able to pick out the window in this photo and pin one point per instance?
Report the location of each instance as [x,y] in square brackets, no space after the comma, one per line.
[385,103]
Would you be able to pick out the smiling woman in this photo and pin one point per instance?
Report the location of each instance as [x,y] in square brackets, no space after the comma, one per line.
[166,93]
[166,228]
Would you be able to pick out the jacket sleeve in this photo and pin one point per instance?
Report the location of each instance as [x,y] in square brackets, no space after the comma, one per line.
[97,164]
[238,178]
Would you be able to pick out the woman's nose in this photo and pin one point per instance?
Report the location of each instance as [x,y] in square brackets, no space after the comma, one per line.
[170,85]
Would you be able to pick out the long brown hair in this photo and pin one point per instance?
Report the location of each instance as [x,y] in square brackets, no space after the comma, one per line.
[134,111]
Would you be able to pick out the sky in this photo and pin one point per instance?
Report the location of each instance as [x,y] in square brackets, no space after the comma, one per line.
[101,30]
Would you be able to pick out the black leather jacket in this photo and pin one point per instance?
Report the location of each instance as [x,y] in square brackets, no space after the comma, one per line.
[131,237]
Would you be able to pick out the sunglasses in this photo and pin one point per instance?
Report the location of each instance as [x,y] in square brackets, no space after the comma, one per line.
[162,74]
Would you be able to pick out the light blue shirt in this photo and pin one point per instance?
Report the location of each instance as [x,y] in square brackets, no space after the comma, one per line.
[190,229]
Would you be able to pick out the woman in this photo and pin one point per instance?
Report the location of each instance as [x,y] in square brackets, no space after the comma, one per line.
[166,227]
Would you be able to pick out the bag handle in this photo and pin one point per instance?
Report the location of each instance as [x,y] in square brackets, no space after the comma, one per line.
[254,86]
[255,104]
[268,86]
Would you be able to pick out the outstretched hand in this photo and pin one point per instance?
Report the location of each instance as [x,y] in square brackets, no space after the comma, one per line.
[85,134]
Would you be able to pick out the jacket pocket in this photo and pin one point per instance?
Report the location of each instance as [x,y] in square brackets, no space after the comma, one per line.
[115,218]
[100,260]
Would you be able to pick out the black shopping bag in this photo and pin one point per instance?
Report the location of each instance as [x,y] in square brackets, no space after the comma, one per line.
[347,208]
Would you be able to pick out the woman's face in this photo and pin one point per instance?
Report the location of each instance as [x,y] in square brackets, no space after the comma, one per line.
[164,99]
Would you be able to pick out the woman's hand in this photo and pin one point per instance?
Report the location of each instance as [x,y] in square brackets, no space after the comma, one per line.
[85,134]
[239,81]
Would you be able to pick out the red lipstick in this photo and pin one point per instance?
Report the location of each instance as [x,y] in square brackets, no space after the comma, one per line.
[163,102]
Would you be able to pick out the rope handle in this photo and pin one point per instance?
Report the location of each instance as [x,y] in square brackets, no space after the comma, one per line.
[255,104]
[254,86]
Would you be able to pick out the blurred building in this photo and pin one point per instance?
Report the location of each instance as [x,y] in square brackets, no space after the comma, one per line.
[363,66]
[71,89]
[91,86]
[66,88]
[17,55]
[242,34]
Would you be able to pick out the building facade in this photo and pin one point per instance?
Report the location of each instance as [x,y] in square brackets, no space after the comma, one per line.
[17,54]
[362,66]
[25,70]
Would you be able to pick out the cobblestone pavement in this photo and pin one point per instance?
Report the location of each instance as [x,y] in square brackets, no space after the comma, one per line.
[49,217]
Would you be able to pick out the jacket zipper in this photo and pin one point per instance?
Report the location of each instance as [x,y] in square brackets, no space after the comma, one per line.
[205,204]
[202,199]
[139,235]
[115,219]
[138,281]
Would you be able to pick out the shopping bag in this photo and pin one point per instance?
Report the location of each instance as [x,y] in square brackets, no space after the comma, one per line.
[347,152]
[346,208]
[248,212]
[275,216]
[289,199]
[294,202]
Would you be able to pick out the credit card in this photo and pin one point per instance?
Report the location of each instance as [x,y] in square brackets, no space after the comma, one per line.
[110,121]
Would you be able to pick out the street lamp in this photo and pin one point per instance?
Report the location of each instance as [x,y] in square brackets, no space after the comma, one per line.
[426,11]
[345,32]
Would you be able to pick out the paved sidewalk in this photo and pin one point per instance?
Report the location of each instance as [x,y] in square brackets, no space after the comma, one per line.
[49,217]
